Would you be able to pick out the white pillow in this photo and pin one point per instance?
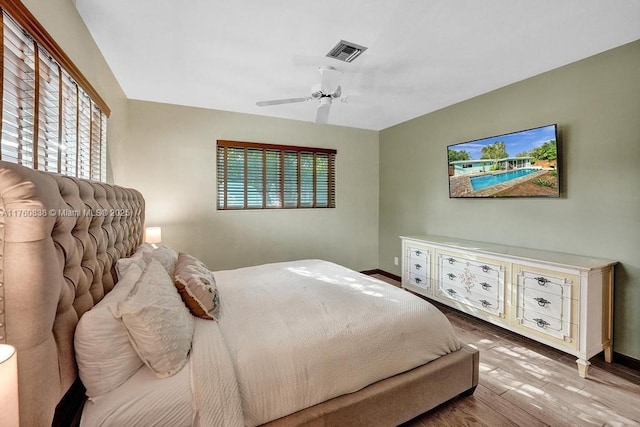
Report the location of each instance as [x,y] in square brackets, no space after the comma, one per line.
[167,257]
[159,325]
[140,257]
[104,354]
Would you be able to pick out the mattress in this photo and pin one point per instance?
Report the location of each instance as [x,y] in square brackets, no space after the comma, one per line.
[295,334]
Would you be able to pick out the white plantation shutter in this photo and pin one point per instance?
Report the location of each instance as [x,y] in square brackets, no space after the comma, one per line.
[48,147]
[273,172]
[323,183]
[83,132]
[69,140]
[290,179]
[18,95]
[49,122]
[266,176]
[103,148]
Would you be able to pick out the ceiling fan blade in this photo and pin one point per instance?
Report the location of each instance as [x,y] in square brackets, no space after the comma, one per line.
[322,115]
[281,101]
[330,79]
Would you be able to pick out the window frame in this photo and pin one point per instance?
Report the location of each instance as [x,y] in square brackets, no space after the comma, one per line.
[322,189]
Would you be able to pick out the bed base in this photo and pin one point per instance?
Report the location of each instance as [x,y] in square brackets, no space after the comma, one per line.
[394,401]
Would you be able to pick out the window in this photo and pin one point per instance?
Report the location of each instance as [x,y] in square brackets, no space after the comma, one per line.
[266,176]
[50,122]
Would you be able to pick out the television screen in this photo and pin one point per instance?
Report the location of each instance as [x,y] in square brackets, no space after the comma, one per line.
[518,164]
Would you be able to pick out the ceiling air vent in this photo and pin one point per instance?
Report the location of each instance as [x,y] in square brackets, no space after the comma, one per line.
[346,51]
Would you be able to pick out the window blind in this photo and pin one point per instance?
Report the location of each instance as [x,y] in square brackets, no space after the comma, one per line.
[268,176]
[49,122]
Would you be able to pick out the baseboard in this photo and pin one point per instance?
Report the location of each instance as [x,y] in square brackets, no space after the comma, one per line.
[627,361]
[382,273]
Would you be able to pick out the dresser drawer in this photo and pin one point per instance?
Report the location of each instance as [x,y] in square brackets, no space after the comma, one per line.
[477,268]
[465,280]
[549,304]
[418,255]
[486,303]
[468,276]
[419,280]
[478,301]
[546,281]
[561,332]
[416,267]
[545,324]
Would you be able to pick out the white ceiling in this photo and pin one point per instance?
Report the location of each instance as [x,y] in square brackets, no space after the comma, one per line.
[422,55]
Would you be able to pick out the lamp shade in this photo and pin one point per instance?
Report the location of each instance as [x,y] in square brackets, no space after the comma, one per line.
[8,386]
[153,235]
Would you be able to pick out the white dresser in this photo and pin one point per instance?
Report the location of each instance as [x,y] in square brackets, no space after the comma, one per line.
[562,300]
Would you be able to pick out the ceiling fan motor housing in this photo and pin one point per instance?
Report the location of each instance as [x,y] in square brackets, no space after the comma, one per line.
[317,93]
[325,100]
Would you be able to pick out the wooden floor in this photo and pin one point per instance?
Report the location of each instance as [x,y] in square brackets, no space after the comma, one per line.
[524,383]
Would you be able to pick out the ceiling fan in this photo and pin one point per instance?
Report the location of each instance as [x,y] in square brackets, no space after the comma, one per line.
[324,92]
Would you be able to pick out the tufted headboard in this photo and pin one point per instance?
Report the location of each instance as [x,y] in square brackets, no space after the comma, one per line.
[59,240]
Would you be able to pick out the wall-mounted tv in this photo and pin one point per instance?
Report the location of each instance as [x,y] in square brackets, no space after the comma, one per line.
[517,164]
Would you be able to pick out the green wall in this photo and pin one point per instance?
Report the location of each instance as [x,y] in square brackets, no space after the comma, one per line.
[170,157]
[596,103]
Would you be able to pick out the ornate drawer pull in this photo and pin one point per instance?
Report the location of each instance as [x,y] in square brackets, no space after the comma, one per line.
[542,302]
[452,292]
[485,286]
[418,253]
[541,323]
[418,266]
[451,276]
[418,280]
[542,280]
[485,303]
[485,268]
[451,260]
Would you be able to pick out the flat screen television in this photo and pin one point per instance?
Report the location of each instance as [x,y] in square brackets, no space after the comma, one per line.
[517,164]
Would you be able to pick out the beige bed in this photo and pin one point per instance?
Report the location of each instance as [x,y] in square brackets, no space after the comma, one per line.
[60,238]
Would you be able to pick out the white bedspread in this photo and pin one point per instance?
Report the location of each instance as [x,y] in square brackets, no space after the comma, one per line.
[215,390]
[290,335]
[303,332]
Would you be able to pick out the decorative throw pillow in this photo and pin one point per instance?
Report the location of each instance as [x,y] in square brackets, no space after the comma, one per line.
[197,287]
[167,257]
[159,326]
[104,353]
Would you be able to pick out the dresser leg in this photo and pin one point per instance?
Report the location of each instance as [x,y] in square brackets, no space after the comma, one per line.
[583,367]
[608,353]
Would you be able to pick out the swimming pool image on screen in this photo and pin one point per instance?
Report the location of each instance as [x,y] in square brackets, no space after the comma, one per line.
[480,182]
[517,164]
